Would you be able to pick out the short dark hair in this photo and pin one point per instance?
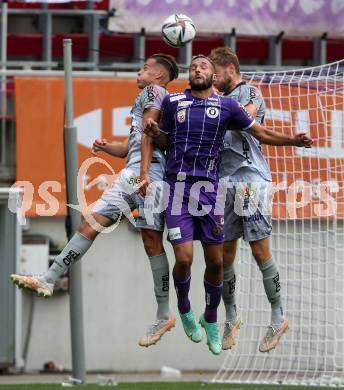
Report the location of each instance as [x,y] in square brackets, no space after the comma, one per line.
[169,63]
[224,56]
[205,57]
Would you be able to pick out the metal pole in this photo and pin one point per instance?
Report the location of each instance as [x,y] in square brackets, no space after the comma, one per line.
[140,46]
[320,50]
[185,55]
[275,49]
[47,28]
[73,220]
[3,82]
[230,39]
[93,35]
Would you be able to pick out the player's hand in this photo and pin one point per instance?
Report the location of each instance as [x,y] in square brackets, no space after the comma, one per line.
[302,140]
[99,145]
[144,183]
[151,128]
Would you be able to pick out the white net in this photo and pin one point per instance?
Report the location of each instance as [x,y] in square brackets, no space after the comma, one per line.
[307,241]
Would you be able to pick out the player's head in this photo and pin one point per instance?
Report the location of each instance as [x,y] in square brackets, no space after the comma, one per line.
[227,67]
[201,73]
[158,69]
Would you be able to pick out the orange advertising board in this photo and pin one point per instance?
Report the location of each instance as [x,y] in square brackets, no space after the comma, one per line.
[309,182]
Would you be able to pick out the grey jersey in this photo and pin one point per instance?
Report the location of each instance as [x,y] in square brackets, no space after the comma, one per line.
[241,150]
[150,97]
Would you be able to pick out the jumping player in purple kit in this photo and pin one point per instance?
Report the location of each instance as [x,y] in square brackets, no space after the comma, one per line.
[192,126]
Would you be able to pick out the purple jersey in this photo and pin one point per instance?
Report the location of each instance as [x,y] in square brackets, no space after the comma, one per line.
[196,128]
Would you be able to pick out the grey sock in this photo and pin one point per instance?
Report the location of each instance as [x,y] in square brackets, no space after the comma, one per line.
[71,253]
[161,278]
[272,288]
[228,293]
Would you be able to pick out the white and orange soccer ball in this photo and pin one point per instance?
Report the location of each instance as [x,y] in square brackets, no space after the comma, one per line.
[177,30]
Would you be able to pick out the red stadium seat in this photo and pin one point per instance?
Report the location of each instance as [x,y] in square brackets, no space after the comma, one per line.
[297,49]
[335,49]
[98,5]
[120,47]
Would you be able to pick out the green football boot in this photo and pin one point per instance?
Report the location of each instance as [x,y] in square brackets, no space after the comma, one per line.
[191,328]
[212,329]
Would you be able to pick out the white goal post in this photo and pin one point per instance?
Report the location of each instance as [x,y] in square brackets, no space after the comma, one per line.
[307,240]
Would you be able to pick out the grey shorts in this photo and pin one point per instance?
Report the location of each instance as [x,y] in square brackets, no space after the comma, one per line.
[123,197]
[248,211]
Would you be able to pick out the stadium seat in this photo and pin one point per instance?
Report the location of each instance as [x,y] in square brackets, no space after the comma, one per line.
[98,5]
[121,47]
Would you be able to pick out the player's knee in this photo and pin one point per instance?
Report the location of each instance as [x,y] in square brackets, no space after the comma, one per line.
[184,259]
[87,230]
[215,264]
[228,256]
[260,253]
[152,243]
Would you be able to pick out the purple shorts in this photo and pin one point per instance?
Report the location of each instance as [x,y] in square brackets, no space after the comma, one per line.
[191,213]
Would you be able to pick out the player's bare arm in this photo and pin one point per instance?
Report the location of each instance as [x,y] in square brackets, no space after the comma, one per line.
[269,137]
[152,129]
[147,150]
[116,148]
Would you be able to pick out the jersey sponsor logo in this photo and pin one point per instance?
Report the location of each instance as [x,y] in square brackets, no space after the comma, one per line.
[177,97]
[181,115]
[152,93]
[216,104]
[71,255]
[174,233]
[253,93]
[213,98]
[212,112]
[184,103]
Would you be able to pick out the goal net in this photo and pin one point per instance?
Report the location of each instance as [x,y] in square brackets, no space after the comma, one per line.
[307,240]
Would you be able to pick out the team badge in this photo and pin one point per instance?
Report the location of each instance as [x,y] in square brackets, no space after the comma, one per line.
[217,230]
[181,115]
[212,112]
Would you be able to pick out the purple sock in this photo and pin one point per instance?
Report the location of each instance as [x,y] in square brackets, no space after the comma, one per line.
[212,300]
[182,288]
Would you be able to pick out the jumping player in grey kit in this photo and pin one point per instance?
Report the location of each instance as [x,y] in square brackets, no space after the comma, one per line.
[193,125]
[122,197]
[243,162]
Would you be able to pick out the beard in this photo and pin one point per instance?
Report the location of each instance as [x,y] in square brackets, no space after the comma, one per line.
[206,84]
[223,86]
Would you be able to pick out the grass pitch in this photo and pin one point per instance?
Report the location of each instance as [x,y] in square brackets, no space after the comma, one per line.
[160,386]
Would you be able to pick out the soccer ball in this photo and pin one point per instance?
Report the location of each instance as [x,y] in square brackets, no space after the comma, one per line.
[177,30]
